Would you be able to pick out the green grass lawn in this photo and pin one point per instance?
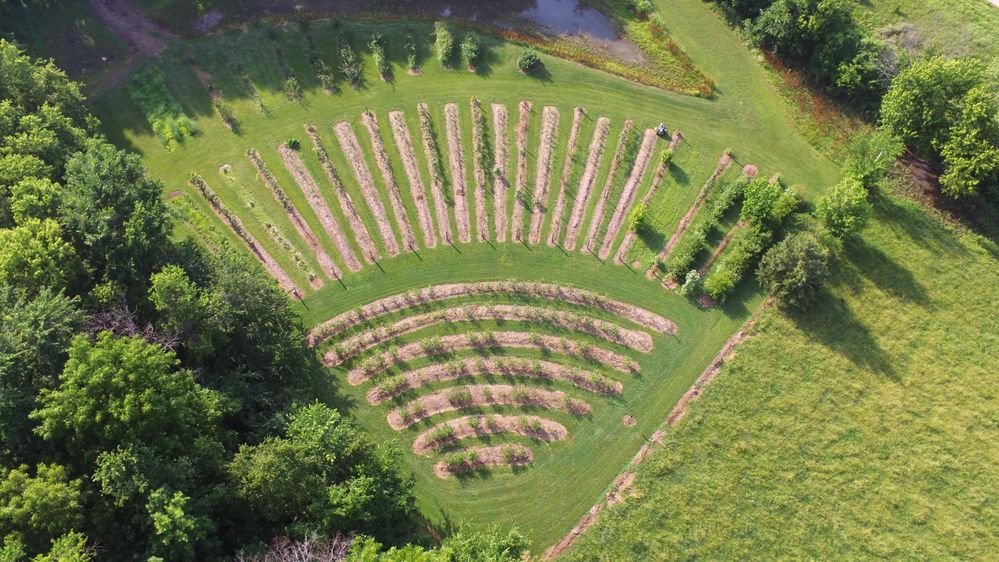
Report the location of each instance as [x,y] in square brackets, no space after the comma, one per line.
[949,27]
[567,477]
[863,430]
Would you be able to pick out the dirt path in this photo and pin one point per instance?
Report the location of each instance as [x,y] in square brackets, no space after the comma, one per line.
[405,145]
[128,22]
[555,230]
[436,169]
[597,144]
[507,367]
[543,171]
[624,480]
[452,431]
[361,234]
[723,163]
[388,175]
[501,155]
[629,193]
[479,457]
[598,213]
[478,161]
[622,252]
[456,159]
[520,183]
[352,150]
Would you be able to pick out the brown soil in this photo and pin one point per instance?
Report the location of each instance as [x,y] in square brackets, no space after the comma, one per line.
[456,159]
[723,163]
[613,333]
[543,171]
[478,134]
[436,181]
[621,487]
[675,140]
[492,340]
[570,162]
[629,193]
[501,154]
[416,189]
[437,293]
[750,170]
[489,456]
[329,268]
[388,175]
[129,22]
[361,234]
[258,251]
[629,420]
[509,367]
[520,186]
[478,395]
[630,237]
[598,213]
[534,427]
[352,150]
[293,162]
[597,144]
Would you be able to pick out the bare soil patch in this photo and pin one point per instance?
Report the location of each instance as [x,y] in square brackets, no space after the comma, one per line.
[608,331]
[478,161]
[351,148]
[436,168]
[361,234]
[629,420]
[570,162]
[597,144]
[629,193]
[488,366]
[598,213]
[388,175]
[448,345]
[263,172]
[479,395]
[456,158]
[453,431]
[520,184]
[416,189]
[501,155]
[750,171]
[723,163]
[436,293]
[543,171]
[480,457]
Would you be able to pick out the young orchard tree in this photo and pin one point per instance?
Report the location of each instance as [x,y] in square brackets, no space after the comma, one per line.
[844,209]
[794,270]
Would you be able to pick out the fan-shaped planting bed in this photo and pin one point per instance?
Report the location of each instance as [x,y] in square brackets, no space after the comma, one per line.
[456,430]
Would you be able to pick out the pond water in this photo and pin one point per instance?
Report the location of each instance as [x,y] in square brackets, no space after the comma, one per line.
[568,16]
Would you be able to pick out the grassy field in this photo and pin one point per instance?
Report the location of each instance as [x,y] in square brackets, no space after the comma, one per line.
[863,430]
[745,117]
[949,27]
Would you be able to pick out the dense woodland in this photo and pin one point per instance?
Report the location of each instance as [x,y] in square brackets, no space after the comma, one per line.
[156,401]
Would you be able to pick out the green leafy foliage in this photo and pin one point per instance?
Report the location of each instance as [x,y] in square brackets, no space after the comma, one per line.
[443,44]
[34,255]
[471,50]
[352,67]
[767,203]
[794,269]
[37,508]
[528,61]
[844,209]
[165,115]
[377,46]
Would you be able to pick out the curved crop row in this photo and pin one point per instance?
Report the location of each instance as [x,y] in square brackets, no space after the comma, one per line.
[405,145]
[436,167]
[352,150]
[479,457]
[608,331]
[501,154]
[445,345]
[453,431]
[570,162]
[598,213]
[231,219]
[436,293]
[329,268]
[361,234]
[520,185]
[629,193]
[456,158]
[478,395]
[486,366]
[388,175]
[293,163]
[543,170]
[586,182]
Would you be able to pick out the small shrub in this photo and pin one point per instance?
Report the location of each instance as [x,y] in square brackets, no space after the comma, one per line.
[432,345]
[412,50]
[521,394]
[637,217]
[528,61]
[844,209]
[642,8]
[377,46]
[767,203]
[353,70]
[293,143]
[442,434]
[326,78]
[227,114]
[794,270]
[471,50]
[691,285]
[292,89]
[444,44]
[666,157]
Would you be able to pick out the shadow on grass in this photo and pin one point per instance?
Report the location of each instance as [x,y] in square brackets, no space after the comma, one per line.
[884,272]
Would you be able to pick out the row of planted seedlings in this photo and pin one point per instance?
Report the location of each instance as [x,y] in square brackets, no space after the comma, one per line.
[515,391]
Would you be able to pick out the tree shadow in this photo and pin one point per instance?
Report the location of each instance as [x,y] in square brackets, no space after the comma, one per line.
[884,272]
